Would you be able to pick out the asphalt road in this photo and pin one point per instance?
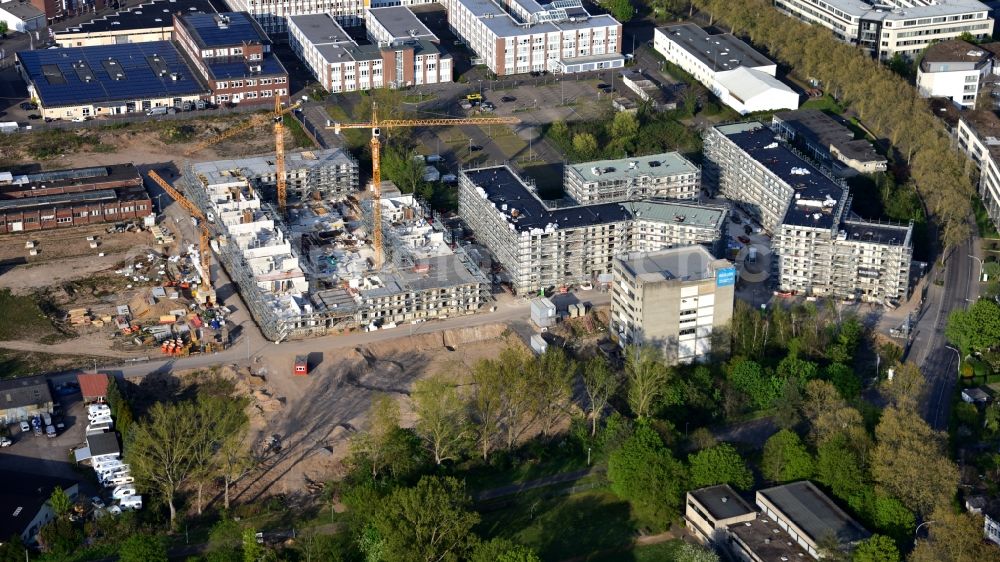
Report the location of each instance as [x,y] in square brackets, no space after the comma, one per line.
[938,362]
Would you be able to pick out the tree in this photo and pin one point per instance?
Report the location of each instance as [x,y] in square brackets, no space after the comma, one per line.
[426,523]
[877,548]
[600,383]
[551,383]
[624,129]
[910,462]
[400,167]
[219,437]
[3,29]
[840,466]
[721,464]
[646,377]
[371,445]
[621,10]
[441,419]
[503,550]
[143,548]
[689,552]
[644,473]
[844,379]
[60,502]
[956,537]
[59,538]
[233,459]
[749,378]
[161,451]
[975,329]
[120,409]
[12,549]
[252,550]
[829,415]
[585,145]
[907,387]
[786,458]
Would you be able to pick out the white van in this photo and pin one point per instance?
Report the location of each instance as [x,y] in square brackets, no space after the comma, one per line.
[120,480]
[131,502]
[123,491]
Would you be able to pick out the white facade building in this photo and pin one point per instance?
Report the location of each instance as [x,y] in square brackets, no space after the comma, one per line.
[341,65]
[521,36]
[978,135]
[955,70]
[273,15]
[740,76]
[903,27]
[668,175]
[395,24]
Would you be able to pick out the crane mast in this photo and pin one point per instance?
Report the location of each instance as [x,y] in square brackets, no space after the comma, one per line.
[279,155]
[376,146]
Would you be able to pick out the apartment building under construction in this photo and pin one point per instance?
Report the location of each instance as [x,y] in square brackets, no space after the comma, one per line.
[541,247]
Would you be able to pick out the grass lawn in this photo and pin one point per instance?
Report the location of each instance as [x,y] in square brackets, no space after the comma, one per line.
[22,318]
[825,103]
[488,477]
[563,527]
[15,363]
[299,137]
[660,552]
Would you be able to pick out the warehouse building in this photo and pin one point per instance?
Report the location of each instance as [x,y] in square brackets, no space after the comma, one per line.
[674,300]
[82,82]
[667,175]
[341,65]
[739,75]
[891,27]
[24,505]
[234,57]
[22,16]
[541,247]
[978,136]
[521,36]
[329,173]
[395,24]
[67,198]
[819,247]
[24,397]
[830,143]
[810,517]
[149,21]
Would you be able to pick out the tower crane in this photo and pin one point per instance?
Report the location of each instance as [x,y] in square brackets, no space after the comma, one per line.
[375,125]
[279,142]
[206,293]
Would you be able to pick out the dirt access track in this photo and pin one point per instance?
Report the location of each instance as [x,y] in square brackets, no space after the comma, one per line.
[314,416]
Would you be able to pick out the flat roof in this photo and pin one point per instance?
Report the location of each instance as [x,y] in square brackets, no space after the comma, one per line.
[72,177]
[809,509]
[23,497]
[723,51]
[23,11]
[149,15]
[103,444]
[503,188]
[864,10]
[74,76]
[224,68]
[767,540]
[877,232]
[816,126]
[686,263]
[986,124]
[817,197]
[320,29]
[223,29]
[224,171]
[954,50]
[401,23]
[722,502]
[133,193]
[655,165]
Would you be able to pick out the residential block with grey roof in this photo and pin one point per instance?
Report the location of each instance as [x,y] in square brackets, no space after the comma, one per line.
[668,175]
[542,245]
[829,142]
[395,24]
[819,246]
[24,397]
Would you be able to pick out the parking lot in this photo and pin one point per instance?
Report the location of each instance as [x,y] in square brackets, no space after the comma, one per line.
[752,259]
[38,454]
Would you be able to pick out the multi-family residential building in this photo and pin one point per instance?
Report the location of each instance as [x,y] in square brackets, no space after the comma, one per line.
[955,70]
[674,300]
[149,21]
[819,247]
[234,56]
[395,24]
[828,142]
[667,175]
[341,65]
[894,27]
[542,247]
[520,36]
[978,136]
[741,77]
[328,174]
[273,15]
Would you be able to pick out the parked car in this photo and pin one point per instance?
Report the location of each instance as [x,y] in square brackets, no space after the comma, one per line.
[743,239]
[25,427]
[5,442]
[475,148]
[50,431]
[488,105]
[97,502]
[28,106]
[34,116]
[508,99]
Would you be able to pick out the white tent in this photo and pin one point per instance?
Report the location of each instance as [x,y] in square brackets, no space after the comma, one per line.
[747,90]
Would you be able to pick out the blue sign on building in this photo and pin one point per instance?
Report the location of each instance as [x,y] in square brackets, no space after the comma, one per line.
[725,277]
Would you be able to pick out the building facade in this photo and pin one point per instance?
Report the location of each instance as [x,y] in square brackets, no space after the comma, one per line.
[540,248]
[955,70]
[233,55]
[150,21]
[978,136]
[667,175]
[819,247]
[328,174]
[341,65]
[395,24]
[273,15]
[521,36]
[22,16]
[894,27]
[24,397]
[674,300]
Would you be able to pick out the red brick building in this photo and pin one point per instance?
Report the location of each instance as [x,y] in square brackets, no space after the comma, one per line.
[233,54]
[67,198]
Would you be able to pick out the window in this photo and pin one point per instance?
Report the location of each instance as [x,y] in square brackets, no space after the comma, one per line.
[265,81]
[265,93]
[238,84]
[222,85]
[255,56]
[223,97]
[251,82]
[237,50]
[281,80]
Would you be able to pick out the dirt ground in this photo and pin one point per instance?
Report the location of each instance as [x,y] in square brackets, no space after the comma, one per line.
[314,416]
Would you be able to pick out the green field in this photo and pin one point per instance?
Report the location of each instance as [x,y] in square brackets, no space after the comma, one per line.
[660,552]
[22,318]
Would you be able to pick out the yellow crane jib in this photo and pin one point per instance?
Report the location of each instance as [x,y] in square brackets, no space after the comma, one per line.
[376,126]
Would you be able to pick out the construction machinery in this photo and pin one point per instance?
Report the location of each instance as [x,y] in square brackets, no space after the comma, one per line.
[204,294]
[375,125]
[257,120]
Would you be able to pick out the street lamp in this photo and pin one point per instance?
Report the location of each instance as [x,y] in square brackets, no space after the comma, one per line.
[980,267]
[959,354]
[917,530]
